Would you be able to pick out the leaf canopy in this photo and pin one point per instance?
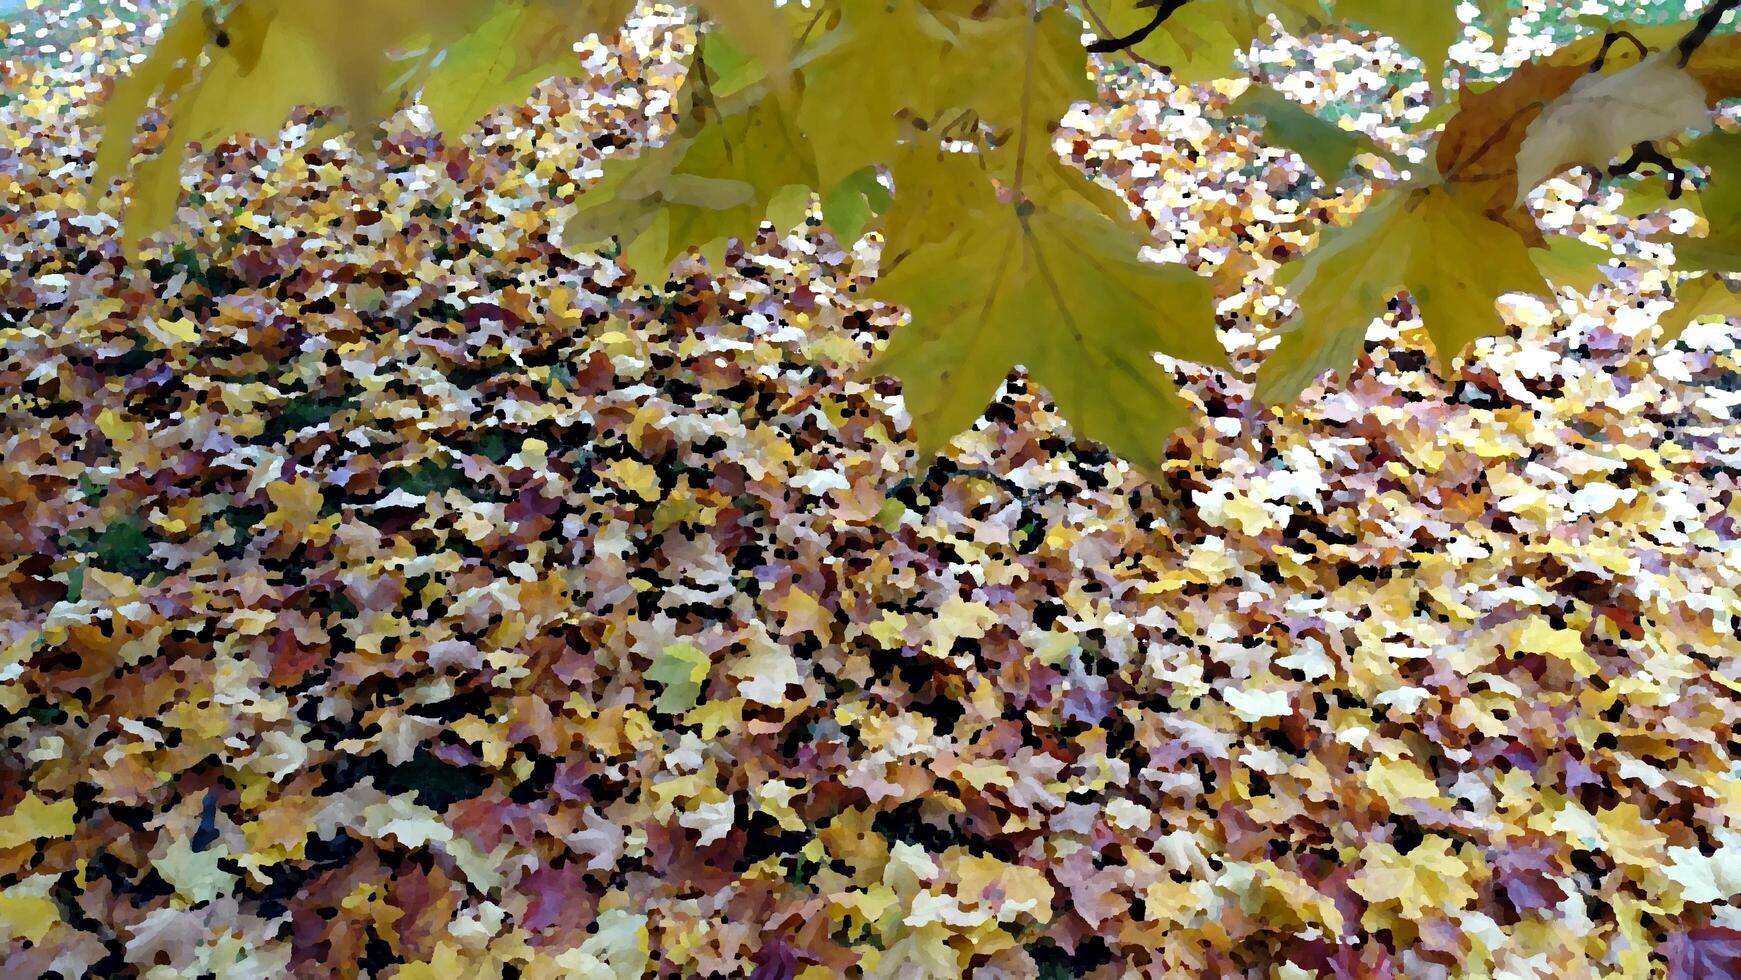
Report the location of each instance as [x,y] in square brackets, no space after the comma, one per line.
[1707,295]
[1326,147]
[1062,292]
[1454,261]
[1003,252]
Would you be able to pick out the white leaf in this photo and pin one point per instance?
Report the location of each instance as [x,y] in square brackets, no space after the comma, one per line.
[1601,116]
[1255,706]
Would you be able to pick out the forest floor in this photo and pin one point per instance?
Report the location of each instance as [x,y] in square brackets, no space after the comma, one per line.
[389,592]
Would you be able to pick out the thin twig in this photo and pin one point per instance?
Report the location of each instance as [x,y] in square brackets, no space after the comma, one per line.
[947,132]
[1702,29]
[805,36]
[1102,26]
[1643,153]
[1608,42]
[1162,12]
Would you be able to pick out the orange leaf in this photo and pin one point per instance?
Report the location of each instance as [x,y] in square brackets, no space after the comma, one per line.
[1480,143]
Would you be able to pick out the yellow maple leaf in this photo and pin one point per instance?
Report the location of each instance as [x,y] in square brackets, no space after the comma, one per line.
[1431,878]
[800,613]
[1010,889]
[1629,838]
[958,619]
[26,911]
[636,477]
[1400,781]
[34,819]
[295,503]
[1537,635]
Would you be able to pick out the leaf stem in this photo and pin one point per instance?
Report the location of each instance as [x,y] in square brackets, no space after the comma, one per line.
[1100,23]
[1027,96]
[1162,12]
[1702,29]
[1608,42]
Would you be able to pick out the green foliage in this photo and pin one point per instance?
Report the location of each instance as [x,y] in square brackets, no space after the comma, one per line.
[123,546]
[1571,263]
[1003,254]
[1326,147]
[1058,289]
[1454,261]
[1707,295]
[681,668]
[521,44]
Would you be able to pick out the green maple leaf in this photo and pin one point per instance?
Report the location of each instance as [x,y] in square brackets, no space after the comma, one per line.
[1017,71]
[682,668]
[1707,295]
[935,192]
[849,206]
[1452,259]
[1326,147]
[1427,28]
[520,45]
[264,59]
[698,189]
[884,57]
[1718,154]
[759,28]
[1567,261]
[1061,291]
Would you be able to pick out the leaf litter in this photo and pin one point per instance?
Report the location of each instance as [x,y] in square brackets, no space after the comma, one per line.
[394,593]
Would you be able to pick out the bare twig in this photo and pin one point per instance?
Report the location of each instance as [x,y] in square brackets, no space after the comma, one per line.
[1702,29]
[1163,10]
[1101,25]
[1643,153]
[1608,42]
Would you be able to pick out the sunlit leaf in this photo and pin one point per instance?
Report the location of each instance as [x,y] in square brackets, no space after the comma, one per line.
[1566,261]
[167,69]
[1326,147]
[1454,261]
[1706,296]
[1062,292]
[1602,116]
[521,44]
[849,206]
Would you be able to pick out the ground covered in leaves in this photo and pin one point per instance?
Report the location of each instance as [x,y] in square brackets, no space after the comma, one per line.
[386,592]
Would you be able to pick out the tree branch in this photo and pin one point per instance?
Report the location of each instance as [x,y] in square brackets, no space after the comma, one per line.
[1608,42]
[1643,153]
[1099,23]
[1702,29]
[1163,10]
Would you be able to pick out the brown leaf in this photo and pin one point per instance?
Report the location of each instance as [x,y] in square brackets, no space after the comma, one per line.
[1705,953]
[1478,149]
